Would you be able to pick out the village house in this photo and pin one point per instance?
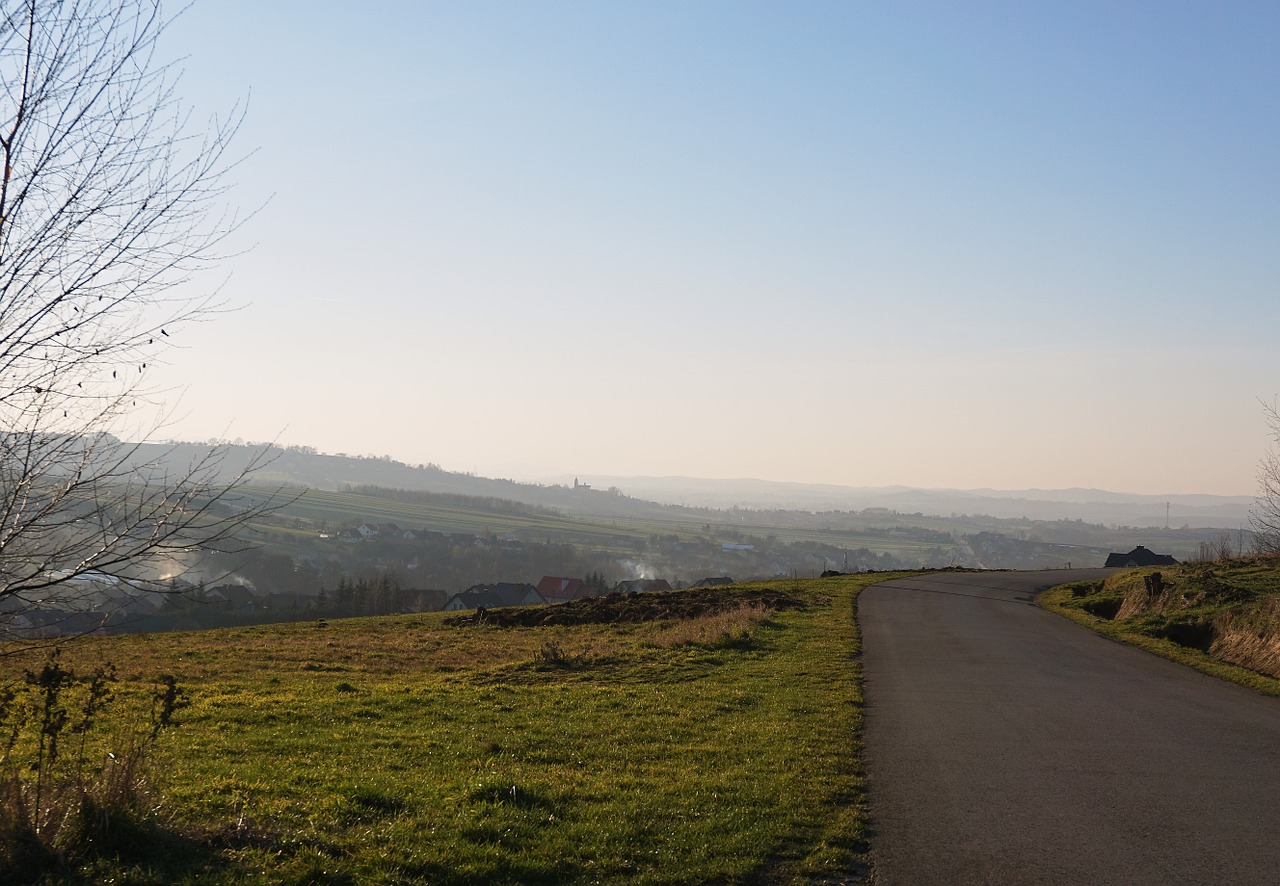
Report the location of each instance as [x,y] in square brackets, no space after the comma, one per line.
[494,596]
[713,581]
[561,590]
[1140,556]
[38,623]
[238,599]
[642,585]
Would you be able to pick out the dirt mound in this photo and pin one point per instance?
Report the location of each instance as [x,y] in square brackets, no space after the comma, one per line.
[615,608]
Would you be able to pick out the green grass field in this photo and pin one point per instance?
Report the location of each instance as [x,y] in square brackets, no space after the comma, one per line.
[607,533]
[400,750]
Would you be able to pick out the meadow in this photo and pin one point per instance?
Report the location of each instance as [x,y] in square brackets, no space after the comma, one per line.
[721,748]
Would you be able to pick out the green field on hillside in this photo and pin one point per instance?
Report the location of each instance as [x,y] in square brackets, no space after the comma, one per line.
[332,509]
[721,747]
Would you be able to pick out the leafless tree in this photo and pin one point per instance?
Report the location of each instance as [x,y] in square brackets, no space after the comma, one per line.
[1266,509]
[110,200]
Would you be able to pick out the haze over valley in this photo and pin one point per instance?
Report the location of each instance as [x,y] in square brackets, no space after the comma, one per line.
[370,535]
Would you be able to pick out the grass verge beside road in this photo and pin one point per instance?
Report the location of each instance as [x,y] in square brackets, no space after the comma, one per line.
[1220,618]
[401,749]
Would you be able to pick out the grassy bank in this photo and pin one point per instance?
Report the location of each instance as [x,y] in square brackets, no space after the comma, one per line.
[1221,618]
[721,748]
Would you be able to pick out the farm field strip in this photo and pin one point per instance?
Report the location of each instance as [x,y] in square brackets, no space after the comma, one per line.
[337,507]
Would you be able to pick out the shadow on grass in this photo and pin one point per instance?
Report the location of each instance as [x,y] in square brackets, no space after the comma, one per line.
[513,795]
[501,871]
[365,805]
[787,865]
[140,853]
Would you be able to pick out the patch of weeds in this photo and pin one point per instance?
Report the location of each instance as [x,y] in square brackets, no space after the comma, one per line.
[73,771]
[552,655]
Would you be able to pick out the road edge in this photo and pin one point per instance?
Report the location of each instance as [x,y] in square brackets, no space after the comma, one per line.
[1051,600]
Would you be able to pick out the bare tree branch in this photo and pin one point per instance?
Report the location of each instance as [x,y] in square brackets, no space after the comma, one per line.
[110,201]
[1266,509]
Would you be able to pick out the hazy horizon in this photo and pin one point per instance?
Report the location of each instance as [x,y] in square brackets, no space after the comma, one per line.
[999,246]
[629,483]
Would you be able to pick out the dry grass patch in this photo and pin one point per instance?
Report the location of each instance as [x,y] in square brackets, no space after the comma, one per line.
[728,627]
[1250,639]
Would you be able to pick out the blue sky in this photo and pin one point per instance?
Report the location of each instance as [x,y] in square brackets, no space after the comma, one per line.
[1001,245]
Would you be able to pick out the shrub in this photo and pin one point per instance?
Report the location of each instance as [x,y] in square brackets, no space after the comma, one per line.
[74,766]
[552,655]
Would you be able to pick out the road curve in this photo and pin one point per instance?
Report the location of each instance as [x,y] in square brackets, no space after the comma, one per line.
[1004,744]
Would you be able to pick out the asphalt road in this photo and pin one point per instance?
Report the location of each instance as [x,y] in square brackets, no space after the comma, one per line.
[1005,744]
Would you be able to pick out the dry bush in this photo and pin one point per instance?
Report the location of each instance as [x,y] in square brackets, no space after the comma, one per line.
[1219,550]
[74,769]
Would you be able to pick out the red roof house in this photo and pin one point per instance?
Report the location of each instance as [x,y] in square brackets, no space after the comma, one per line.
[561,590]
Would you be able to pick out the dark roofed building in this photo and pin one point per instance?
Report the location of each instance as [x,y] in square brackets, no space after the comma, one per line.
[494,596]
[237,597]
[424,600]
[642,586]
[555,589]
[1140,556]
[712,581]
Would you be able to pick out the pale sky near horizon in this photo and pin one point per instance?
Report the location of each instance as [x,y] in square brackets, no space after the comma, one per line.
[1000,245]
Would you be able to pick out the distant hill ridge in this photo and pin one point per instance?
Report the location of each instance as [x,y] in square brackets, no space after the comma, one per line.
[653,496]
[1090,505]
